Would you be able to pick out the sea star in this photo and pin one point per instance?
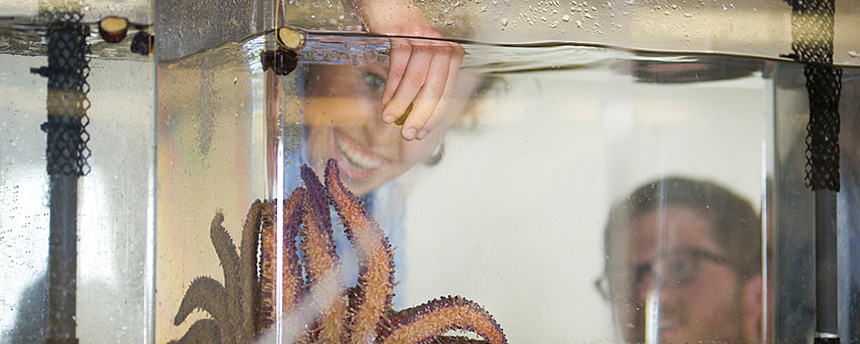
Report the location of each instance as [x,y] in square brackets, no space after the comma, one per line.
[244,306]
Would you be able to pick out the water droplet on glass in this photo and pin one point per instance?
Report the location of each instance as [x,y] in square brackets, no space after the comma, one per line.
[565,17]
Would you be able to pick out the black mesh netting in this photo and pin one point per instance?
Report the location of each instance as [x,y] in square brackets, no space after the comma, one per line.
[823,84]
[67,71]
[812,33]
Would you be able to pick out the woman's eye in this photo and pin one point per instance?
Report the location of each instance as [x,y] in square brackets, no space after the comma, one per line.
[375,82]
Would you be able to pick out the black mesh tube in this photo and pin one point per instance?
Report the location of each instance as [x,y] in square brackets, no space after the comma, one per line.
[812,41]
[812,31]
[66,156]
[823,84]
[67,71]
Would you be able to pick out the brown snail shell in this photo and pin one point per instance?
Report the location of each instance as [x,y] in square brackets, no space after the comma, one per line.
[113,29]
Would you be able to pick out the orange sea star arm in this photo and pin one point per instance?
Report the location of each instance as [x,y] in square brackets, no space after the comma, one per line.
[293,283]
[322,264]
[434,318]
[375,288]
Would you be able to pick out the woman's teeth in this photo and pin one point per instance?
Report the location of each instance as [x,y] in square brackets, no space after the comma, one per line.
[355,155]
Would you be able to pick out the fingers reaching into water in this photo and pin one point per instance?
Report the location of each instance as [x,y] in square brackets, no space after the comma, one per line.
[421,80]
[422,74]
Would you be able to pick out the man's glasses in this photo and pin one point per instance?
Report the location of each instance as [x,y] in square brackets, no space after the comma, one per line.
[673,270]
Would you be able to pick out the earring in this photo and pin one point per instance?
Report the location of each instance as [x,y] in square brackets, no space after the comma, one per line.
[434,159]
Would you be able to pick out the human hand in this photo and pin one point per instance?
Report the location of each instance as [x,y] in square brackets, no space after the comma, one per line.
[422,74]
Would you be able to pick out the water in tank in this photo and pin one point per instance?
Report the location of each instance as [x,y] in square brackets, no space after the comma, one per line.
[585,180]
[77,182]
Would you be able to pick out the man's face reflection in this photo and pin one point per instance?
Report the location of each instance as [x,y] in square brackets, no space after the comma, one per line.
[683,290]
[344,121]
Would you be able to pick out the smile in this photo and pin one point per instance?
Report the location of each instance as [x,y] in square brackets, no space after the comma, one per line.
[355,154]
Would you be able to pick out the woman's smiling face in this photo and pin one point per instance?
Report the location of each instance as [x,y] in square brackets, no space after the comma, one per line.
[344,122]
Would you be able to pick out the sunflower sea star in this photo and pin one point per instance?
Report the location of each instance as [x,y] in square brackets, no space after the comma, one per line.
[244,306]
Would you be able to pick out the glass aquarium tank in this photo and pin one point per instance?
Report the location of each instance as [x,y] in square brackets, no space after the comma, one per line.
[77,219]
[582,172]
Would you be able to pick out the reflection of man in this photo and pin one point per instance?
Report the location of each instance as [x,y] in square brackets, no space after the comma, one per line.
[684,265]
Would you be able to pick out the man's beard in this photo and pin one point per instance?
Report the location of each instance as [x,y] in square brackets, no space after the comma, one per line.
[635,331]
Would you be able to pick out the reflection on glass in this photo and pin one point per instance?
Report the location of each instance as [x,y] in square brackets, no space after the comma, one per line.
[849,203]
[104,106]
[343,121]
[513,215]
[336,109]
[684,264]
